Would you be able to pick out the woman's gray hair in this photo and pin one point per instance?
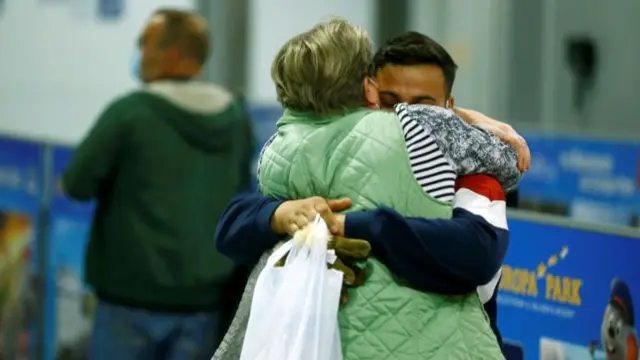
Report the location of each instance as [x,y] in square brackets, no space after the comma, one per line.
[322,70]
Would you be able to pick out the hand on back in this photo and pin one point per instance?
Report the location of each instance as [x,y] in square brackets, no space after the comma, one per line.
[504,131]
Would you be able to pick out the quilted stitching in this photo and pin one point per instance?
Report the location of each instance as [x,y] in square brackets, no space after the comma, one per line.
[383,320]
[379,324]
[363,156]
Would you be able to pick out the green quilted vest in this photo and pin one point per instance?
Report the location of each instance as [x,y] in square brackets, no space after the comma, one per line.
[362,155]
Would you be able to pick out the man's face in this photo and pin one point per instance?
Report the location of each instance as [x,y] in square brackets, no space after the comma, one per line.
[413,84]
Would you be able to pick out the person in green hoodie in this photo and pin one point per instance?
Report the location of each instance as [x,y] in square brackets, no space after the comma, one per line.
[162,163]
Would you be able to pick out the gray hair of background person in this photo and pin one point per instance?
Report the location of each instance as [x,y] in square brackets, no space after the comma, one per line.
[322,70]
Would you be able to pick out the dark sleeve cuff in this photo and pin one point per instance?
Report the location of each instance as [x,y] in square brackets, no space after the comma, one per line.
[360,225]
[263,222]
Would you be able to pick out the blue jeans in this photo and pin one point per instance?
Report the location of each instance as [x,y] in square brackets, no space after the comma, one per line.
[122,333]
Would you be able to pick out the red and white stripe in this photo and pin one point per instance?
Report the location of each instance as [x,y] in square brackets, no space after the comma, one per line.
[479,194]
[482,195]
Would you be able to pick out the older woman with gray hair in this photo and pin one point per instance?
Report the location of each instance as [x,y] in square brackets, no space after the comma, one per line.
[330,144]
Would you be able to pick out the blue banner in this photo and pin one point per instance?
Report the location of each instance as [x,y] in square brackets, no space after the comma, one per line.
[587,179]
[569,294]
[69,307]
[21,177]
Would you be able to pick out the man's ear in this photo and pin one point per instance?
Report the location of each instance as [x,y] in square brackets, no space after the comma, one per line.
[451,103]
[371,93]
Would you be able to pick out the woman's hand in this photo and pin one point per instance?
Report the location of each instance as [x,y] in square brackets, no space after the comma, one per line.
[504,131]
[293,215]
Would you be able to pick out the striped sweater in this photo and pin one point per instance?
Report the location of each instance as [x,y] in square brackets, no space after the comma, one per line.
[442,147]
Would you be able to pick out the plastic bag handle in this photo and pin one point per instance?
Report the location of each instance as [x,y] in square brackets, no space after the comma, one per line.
[285,248]
[279,253]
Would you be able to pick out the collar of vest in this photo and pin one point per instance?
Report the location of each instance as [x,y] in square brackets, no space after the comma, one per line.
[291,116]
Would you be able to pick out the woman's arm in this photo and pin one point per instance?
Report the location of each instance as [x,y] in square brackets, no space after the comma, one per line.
[443,256]
[469,149]
[467,249]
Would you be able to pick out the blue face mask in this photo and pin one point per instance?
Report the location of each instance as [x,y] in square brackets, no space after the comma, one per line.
[136,65]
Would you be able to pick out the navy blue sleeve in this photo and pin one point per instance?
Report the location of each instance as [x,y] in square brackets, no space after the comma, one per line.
[444,256]
[244,229]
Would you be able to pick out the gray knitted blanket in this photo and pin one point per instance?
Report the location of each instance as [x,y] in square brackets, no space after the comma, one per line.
[231,345]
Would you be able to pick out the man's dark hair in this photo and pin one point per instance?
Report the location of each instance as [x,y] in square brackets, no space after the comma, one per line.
[184,30]
[414,48]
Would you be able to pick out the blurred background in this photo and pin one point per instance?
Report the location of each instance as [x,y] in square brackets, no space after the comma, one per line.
[564,73]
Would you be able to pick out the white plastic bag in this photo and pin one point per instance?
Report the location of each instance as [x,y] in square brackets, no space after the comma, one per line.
[294,312]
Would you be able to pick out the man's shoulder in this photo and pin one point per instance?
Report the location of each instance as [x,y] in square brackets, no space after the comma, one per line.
[431,117]
[127,101]
[135,103]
